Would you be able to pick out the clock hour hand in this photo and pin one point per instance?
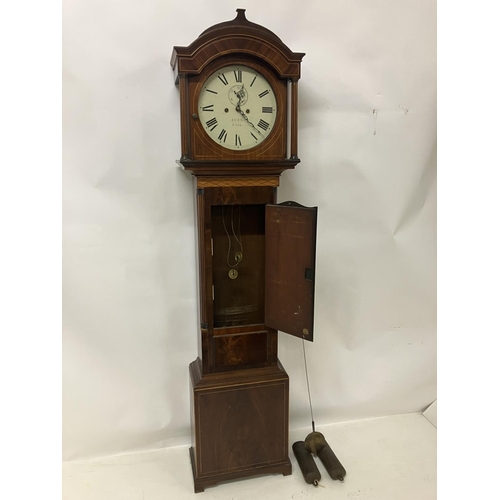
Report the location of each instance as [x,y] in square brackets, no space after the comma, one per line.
[240,94]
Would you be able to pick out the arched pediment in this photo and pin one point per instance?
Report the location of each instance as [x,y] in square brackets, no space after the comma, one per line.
[238,36]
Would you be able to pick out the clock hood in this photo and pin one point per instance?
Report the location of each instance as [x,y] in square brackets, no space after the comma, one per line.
[238,36]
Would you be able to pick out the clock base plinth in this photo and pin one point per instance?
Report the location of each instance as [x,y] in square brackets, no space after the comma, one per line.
[239,423]
[200,484]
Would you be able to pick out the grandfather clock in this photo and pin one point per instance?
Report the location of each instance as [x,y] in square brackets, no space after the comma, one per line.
[256,258]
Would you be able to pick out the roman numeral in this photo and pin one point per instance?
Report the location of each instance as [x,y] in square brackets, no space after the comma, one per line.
[262,94]
[223,136]
[210,107]
[237,140]
[255,137]
[263,125]
[253,80]
[211,124]
[223,78]
[267,109]
[237,75]
[212,91]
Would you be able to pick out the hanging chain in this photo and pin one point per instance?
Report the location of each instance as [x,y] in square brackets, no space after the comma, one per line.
[239,240]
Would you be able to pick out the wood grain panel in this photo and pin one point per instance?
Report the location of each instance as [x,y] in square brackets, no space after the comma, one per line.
[242,427]
[240,350]
[290,266]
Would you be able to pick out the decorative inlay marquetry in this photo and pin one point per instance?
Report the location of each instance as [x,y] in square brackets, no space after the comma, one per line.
[207,182]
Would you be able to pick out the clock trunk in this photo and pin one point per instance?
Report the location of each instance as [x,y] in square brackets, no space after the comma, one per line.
[239,390]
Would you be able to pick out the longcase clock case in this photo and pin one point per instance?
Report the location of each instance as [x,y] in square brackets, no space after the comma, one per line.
[256,261]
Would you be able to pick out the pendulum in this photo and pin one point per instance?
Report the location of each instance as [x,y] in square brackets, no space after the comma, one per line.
[316,444]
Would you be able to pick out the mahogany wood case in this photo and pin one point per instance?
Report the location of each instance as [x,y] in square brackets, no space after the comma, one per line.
[256,259]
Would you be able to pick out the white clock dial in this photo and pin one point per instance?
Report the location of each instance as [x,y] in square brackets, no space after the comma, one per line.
[237,107]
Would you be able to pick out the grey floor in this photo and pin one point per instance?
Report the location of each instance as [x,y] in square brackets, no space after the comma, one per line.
[389,458]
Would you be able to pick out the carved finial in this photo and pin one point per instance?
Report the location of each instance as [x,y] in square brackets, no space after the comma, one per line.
[241,15]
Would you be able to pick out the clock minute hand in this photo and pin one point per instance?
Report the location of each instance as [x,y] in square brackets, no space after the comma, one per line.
[240,95]
[242,113]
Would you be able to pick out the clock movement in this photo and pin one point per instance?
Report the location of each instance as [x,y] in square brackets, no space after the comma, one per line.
[238,87]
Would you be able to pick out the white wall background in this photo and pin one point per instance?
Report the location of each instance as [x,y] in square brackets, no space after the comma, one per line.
[367,141]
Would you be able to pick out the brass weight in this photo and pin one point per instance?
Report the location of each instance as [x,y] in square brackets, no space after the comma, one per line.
[316,443]
[306,463]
